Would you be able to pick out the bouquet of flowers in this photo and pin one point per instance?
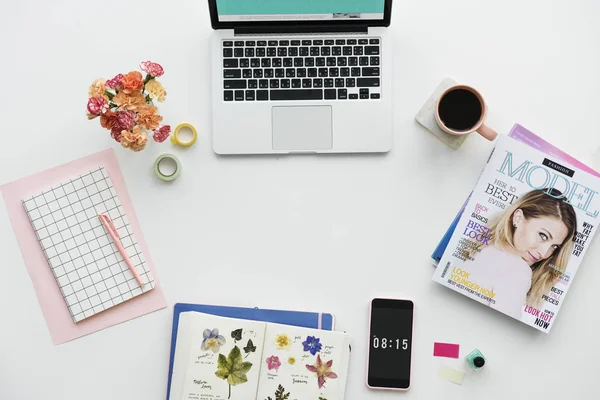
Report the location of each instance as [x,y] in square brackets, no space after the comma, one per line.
[125,105]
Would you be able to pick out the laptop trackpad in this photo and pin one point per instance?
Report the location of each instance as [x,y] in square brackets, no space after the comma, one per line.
[302,128]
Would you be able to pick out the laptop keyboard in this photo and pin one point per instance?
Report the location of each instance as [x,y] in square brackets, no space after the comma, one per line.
[301,69]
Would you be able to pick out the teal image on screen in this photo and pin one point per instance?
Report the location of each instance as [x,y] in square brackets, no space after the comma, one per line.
[267,7]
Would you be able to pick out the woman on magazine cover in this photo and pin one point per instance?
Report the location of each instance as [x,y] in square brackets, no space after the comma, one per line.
[529,248]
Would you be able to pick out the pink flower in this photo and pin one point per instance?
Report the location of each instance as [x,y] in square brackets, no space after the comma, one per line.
[115,133]
[116,82]
[162,133]
[97,105]
[273,363]
[126,120]
[322,371]
[152,69]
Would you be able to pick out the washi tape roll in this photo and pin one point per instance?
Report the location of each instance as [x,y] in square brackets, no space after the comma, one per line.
[175,138]
[167,167]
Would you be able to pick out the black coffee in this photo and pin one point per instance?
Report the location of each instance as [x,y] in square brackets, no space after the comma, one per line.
[460,110]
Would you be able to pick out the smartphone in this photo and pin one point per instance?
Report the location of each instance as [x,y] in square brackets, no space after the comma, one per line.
[390,344]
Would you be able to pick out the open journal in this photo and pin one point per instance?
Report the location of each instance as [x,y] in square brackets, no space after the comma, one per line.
[226,358]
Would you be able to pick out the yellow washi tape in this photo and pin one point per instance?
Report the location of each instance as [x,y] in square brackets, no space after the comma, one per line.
[175,139]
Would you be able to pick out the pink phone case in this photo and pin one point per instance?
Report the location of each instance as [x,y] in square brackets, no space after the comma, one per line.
[369,346]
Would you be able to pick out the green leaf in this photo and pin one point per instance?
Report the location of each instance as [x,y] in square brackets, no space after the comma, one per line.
[222,362]
[234,357]
[233,368]
[250,347]
[237,378]
[279,393]
[222,371]
[237,335]
[245,367]
[223,374]
[230,363]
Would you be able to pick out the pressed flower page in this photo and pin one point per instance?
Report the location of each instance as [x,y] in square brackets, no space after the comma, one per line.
[224,358]
[307,364]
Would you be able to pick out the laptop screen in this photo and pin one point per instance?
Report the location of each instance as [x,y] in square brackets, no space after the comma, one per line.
[299,10]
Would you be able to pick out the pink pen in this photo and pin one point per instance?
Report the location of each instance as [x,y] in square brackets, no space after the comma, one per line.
[112,231]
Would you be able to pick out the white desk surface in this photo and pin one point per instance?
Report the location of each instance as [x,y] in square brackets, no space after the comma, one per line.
[322,233]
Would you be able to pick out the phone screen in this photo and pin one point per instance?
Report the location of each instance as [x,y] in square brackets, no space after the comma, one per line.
[390,343]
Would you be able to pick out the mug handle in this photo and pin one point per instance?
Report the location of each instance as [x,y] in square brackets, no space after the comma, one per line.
[487,132]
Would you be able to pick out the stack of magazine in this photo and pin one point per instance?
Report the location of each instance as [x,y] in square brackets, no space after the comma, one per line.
[520,237]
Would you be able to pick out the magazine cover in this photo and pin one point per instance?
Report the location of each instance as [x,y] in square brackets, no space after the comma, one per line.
[524,135]
[523,234]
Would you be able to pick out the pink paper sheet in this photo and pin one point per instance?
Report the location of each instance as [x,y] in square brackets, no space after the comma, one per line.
[59,321]
[449,350]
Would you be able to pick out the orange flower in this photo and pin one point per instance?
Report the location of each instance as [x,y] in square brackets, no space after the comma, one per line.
[108,119]
[97,88]
[133,102]
[135,140]
[148,118]
[156,90]
[132,81]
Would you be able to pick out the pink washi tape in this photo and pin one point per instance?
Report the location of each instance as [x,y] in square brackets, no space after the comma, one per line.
[446,350]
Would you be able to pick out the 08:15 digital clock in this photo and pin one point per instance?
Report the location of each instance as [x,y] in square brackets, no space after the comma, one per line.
[384,343]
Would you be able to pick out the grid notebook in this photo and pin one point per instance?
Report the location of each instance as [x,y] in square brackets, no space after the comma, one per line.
[90,272]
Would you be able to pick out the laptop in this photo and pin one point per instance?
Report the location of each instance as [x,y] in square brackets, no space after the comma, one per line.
[301,76]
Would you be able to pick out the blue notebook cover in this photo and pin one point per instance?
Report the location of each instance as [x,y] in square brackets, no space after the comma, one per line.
[296,318]
[441,247]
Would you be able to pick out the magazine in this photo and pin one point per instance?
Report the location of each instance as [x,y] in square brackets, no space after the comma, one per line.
[524,231]
[524,135]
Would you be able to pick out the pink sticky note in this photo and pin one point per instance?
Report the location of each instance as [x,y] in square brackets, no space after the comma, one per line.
[55,311]
[446,350]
